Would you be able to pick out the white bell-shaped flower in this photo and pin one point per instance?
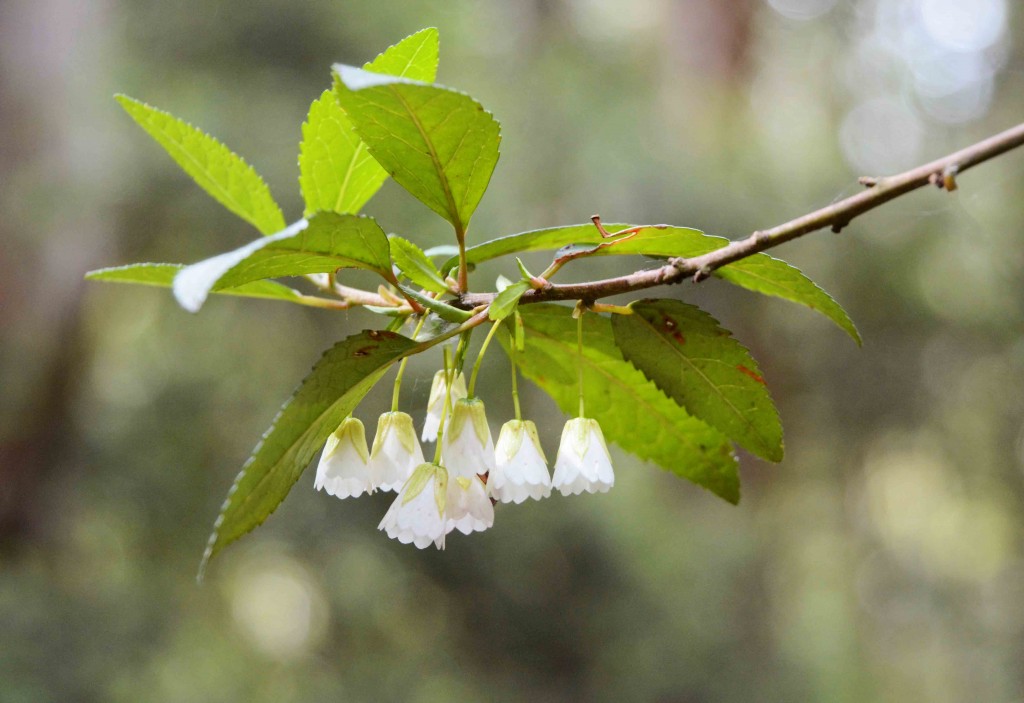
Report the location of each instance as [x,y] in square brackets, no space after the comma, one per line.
[468,508]
[396,451]
[467,448]
[435,406]
[418,514]
[521,470]
[344,470]
[583,462]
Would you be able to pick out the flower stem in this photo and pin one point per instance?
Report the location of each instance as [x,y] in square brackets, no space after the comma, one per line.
[401,368]
[449,378]
[480,358]
[515,381]
[579,351]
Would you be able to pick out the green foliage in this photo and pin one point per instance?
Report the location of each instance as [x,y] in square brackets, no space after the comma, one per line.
[632,411]
[327,241]
[665,381]
[416,266]
[327,395]
[220,172]
[162,275]
[505,302]
[336,171]
[685,352]
[438,144]
[760,272]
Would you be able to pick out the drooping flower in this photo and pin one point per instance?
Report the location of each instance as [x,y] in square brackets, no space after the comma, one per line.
[417,515]
[467,448]
[583,462]
[521,469]
[343,470]
[396,451]
[468,508]
[435,406]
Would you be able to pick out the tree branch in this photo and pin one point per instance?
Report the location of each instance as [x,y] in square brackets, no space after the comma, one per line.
[941,172]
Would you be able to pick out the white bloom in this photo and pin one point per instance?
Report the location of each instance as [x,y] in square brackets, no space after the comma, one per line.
[583,462]
[435,406]
[468,508]
[521,470]
[418,513]
[396,451]
[343,470]
[467,448]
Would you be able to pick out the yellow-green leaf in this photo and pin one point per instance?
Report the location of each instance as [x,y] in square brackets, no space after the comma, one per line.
[336,171]
[326,242]
[162,275]
[437,143]
[220,172]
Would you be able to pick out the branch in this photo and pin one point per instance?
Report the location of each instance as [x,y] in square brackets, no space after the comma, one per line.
[941,172]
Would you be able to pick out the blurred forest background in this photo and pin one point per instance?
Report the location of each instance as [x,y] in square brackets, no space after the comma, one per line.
[882,560]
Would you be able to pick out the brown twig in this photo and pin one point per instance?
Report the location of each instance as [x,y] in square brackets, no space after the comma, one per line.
[941,172]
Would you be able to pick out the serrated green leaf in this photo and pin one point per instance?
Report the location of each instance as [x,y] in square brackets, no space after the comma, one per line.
[162,275]
[759,273]
[415,265]
[336,171]
[326,242]
[631,409]
[506,300]
[697,363]
[327,395]
[765,274]
[414,57]
[440,308]
[438,144]
[220,172]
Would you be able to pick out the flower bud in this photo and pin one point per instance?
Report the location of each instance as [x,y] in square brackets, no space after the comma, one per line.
[583,462]
[521,470]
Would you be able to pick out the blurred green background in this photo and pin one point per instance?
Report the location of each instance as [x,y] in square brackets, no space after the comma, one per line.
[882,560]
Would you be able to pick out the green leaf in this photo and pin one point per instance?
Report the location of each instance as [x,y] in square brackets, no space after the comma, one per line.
[760,273]
[765,274]
[326,242]
[631,409]
[443,310]
[220,172]
[414,57]
[505,302]
[336,170]
[327,395]
[697,363]
[438,144]
[415,265]
[162,275]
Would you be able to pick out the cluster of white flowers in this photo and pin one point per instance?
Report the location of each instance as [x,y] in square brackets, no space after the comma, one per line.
[460,493]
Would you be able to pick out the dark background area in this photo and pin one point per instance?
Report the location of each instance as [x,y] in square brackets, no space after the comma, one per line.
[882,560]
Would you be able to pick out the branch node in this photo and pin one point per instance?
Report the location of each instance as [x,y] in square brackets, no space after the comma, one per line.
[761,237]
[702,273]
[838,226]
[949,177]
[868,181]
